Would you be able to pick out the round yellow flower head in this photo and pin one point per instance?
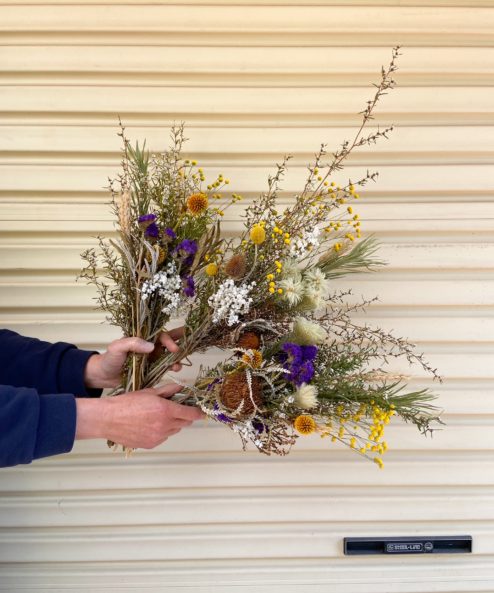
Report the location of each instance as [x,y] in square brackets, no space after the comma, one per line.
[197,203]
[304,424]
[211,269]
[257,234]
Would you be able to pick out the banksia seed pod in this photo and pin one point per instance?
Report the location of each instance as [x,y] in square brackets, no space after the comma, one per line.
[236,267]
[249,341]
[235,390]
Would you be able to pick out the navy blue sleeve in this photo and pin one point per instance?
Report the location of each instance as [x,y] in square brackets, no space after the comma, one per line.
[48,368]
[34,425]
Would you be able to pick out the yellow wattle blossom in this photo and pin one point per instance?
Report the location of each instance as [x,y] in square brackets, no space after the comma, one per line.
[197,203]
[379,462]
[304,424]
[257,234]
[211,269]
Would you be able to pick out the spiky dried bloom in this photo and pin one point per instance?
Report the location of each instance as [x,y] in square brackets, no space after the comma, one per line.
[197,203]
[236,266]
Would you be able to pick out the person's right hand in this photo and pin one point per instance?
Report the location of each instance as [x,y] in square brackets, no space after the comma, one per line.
[141,419]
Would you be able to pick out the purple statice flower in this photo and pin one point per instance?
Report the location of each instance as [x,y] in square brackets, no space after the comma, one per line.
[304,373]
[187,249]
[221,417]
[152,231]
[292,353]
[211,385]
[189,288]
[309,353]
[170,234]
[146,219]
[298,361]
[258,426]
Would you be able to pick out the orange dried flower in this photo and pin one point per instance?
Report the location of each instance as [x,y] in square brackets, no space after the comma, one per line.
[197,203]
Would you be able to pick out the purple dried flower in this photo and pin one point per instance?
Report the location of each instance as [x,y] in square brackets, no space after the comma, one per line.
[309,352]
[298,361]
[186,247]
[152,231]
[292,353]
[146,219]
[258,426]
[170,233]
[221,417]
[189,288]
[304,373]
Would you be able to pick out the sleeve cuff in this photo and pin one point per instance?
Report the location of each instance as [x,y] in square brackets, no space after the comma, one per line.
[71,373]
[56,425]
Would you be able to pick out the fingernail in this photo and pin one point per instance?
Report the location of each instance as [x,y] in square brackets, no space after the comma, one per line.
[149,346]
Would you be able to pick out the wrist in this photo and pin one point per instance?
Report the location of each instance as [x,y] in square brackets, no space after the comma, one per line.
[92,418]
[92,379]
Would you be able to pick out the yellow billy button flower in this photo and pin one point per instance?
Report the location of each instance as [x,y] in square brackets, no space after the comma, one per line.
[211,269]
[304,424]
[197,203]
[257,234]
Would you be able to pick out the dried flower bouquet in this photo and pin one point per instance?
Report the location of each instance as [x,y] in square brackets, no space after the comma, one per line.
[297,362]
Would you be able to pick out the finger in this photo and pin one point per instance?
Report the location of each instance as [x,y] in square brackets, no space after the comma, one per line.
[168,342]
[126,345]
[177,332]
[191,413]
[182,423]
[167,390]
[176,367]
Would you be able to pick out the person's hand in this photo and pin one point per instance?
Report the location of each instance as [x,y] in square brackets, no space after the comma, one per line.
[141,419]
[104,370]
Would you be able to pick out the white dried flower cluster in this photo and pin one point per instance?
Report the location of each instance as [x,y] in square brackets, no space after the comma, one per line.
[308,241]
[230,301]
[168,284]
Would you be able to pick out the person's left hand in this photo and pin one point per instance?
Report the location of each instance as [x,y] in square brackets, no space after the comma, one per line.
[104,370]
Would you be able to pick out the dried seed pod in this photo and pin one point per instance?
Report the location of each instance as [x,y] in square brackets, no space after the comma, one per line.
[249,341]
[236,266]
[235,391]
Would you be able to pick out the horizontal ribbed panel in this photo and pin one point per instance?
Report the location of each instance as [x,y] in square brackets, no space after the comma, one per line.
[255,81]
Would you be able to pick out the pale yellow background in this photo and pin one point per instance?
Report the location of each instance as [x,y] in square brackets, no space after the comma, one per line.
[255,80]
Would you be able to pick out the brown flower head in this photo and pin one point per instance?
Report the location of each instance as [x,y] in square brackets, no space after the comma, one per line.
[236,266]
[235,390]
[197,203]
[249,341]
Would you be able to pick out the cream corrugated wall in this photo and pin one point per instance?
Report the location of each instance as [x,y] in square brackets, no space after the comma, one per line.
[254,80]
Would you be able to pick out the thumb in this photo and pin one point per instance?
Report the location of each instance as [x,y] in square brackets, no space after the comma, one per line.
[167,390]
[126,345]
